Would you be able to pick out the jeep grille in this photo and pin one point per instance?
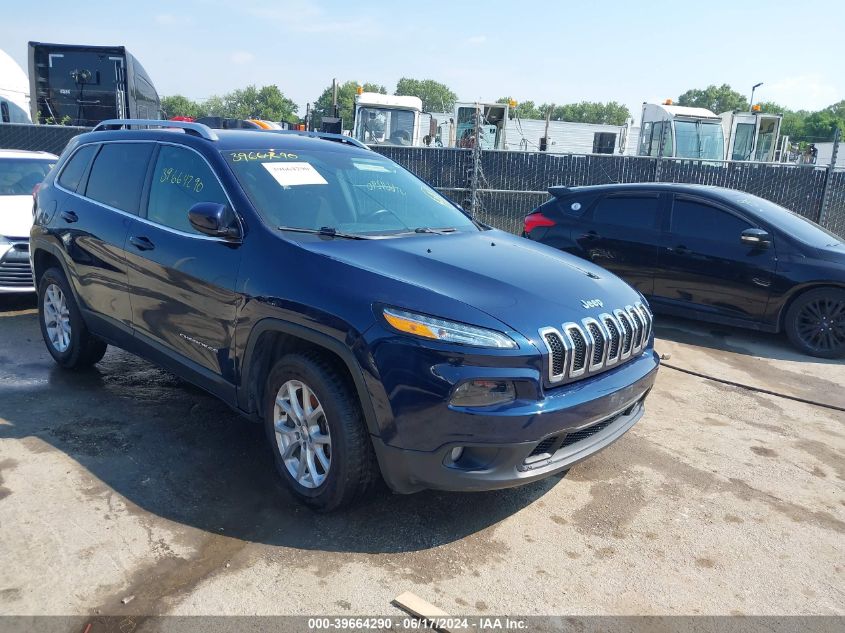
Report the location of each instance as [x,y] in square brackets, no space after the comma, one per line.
[594,345]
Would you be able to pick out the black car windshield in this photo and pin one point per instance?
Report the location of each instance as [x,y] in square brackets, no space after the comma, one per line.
[18,176]
[790,223]
[349,192]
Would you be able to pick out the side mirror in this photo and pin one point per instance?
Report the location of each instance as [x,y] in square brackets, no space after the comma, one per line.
[214,219]
[757,238]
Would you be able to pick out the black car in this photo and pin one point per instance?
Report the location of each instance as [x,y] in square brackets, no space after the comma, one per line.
[322,290]
[708,253]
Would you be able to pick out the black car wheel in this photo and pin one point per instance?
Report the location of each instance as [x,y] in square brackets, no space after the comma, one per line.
[815,323]
[317,432]
[67,337]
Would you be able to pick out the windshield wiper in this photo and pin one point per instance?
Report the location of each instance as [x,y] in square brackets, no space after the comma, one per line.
[328,231]
[440,231]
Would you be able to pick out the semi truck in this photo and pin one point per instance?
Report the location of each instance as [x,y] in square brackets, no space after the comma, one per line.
[84,85]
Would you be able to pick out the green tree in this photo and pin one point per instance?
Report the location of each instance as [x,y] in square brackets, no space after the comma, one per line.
[177,105]
[267,102]
[820,126]
[717,99]
[610,113]
[436,97]
[345,102]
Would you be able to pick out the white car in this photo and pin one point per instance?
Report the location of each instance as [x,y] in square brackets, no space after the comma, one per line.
[20,173]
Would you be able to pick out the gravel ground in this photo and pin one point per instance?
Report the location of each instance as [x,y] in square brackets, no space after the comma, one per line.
[126,481]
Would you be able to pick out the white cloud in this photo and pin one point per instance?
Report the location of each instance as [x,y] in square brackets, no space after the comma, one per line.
[305,16]
[241,57]
[477,39]
[808,92]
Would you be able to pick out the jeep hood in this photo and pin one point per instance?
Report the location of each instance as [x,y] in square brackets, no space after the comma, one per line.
[523,284]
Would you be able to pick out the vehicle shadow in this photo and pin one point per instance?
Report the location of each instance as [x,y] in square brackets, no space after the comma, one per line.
[725,338]
[171,450]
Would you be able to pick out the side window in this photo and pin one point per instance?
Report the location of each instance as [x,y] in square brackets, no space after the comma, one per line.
[181,178]
[645,138]
[4,112]
[701,221]
[630,211]
[604,142]
[117,176]
[74,170]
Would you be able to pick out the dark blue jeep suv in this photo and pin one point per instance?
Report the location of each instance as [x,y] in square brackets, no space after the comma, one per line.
[323,290]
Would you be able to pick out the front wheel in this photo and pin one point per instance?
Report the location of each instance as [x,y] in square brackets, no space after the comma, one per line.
[67,337]
[815,323]
[317,432]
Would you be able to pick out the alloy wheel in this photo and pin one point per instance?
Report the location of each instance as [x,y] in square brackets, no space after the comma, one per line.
[821,324]
[302,434]
[57,318]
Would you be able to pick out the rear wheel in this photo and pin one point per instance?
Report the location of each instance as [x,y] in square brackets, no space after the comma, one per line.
[317,433]
[67,337]
[815,323]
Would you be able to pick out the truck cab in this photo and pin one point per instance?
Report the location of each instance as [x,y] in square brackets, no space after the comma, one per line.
[751,135]
[387,119]
[684,132]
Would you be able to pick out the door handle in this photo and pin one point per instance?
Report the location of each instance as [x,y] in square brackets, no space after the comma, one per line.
[142,243]
[590,235]
[69,216]
[679,250]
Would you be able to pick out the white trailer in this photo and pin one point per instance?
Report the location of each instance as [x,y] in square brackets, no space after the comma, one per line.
[751,135]
[567,137]
[685,132]
[14,92]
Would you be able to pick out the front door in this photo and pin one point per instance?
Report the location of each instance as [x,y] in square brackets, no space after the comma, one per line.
[704,266]
[182,282]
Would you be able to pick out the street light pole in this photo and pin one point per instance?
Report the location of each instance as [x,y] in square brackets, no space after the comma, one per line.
[753,88]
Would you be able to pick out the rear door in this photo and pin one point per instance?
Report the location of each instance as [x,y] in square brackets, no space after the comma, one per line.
[94,216]
[705,267]
[183,282]
[622,234]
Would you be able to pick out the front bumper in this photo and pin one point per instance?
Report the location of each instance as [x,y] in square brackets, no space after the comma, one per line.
[570,424]
[15,268]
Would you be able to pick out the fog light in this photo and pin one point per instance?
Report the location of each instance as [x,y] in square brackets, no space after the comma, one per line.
[456,453]
[483,393]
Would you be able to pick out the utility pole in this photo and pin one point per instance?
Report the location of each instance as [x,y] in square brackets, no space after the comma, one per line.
[751,101]
[544,142]
[828,178]
[334,97]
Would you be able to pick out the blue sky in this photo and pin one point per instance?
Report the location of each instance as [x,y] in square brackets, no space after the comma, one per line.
[554,52]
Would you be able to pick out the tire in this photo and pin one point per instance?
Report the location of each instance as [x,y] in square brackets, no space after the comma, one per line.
[67,339]
[342,467]
[815,323]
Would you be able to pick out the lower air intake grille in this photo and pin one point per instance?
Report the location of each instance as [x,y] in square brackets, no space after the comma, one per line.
[544,446]
[583,434]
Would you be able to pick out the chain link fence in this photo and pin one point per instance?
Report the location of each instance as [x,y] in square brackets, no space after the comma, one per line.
[510,184]
[38,138]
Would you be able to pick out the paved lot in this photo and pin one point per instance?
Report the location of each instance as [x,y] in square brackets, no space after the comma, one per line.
[125,481]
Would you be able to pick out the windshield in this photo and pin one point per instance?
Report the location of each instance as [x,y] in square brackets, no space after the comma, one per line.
[360,193]
[384,126]
[699,139]
[18,176]
[790,223]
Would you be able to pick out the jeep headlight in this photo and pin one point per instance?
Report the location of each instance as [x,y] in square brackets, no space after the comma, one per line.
[446,331]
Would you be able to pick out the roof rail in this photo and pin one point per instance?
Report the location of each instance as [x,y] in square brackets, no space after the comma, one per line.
[198,129]
[327,136]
